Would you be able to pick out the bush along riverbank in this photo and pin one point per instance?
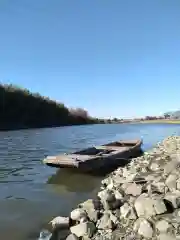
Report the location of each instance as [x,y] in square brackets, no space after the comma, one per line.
[22,109]
[138,201]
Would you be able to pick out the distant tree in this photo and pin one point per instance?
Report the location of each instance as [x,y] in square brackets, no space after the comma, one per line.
[115,119]
[166,115]
[22,109]
[79,112]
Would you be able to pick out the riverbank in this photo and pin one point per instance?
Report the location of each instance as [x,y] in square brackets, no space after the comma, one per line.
[162,121]
[139,201]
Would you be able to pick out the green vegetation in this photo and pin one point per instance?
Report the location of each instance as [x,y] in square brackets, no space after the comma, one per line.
[22,109]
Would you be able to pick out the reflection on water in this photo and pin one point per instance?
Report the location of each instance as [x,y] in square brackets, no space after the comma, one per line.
[32,193]
[71,181]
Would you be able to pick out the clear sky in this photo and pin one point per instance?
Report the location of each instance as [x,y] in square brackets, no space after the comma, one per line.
[115,58]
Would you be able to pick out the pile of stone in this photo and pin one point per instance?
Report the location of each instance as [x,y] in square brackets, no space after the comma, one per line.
[138,201]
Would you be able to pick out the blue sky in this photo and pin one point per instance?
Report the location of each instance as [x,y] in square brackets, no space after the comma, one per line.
[114,58]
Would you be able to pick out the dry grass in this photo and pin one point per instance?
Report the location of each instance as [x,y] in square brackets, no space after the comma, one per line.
[162,121]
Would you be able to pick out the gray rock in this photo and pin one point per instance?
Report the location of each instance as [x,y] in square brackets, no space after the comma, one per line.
[145,229]
[123,202]
[150,177]
[113,218]
[105,222]
[45,235]
[90,208]
[93,215]
[132,215]
[118,180]
[160,186]
[108,200]
[106,195]
[83,229]
[72,237]
[127,211]
[171,181]
[170,166]
[162,225]
[133,189]
[131,177]
[86,238]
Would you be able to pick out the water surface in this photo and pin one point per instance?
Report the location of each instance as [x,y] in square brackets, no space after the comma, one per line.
[32,193]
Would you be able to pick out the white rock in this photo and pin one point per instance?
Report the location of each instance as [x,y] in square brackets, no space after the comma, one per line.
[83,219]
[125,172]
[110,185]
[173,198]
[144,207]
[137,224]
[133,189]
[72,237]
[125,210]
[105,222]
[103,194]
[170,166]
[139,207]
[159,206]
[171,181]
[162,225]
[60,222]
[154,166]
[164,236]
[77,214]
[83,229]
[160,186]
[131,177]
[178,183]
[118,195]
[145,229]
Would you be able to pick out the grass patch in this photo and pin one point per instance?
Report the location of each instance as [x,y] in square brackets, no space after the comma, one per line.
[162,121]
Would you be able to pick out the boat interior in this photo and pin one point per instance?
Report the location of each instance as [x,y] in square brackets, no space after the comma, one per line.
[94,151]
[121,144]
[106,148]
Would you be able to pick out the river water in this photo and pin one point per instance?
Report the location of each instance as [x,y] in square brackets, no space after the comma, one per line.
[31,193]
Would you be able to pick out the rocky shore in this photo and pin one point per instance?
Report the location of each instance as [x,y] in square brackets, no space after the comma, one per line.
[139,201]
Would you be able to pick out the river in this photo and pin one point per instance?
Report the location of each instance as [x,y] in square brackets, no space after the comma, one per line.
[31,193]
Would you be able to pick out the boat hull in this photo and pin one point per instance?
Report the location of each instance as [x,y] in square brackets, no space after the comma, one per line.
[117,156]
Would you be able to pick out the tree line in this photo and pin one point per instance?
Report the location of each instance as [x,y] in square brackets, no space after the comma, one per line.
[20,108]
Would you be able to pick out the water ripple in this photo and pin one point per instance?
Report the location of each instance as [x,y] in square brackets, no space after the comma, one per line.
[32,193]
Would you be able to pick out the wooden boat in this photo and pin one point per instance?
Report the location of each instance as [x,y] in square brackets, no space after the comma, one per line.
[98,157]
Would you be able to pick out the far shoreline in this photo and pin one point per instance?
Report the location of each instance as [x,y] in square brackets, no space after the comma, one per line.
[169,121]
[160,121]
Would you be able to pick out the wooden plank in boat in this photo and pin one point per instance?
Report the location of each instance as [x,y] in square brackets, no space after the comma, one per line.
[120,148]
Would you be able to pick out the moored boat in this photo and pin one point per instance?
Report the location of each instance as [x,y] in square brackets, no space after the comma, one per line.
[98,157]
